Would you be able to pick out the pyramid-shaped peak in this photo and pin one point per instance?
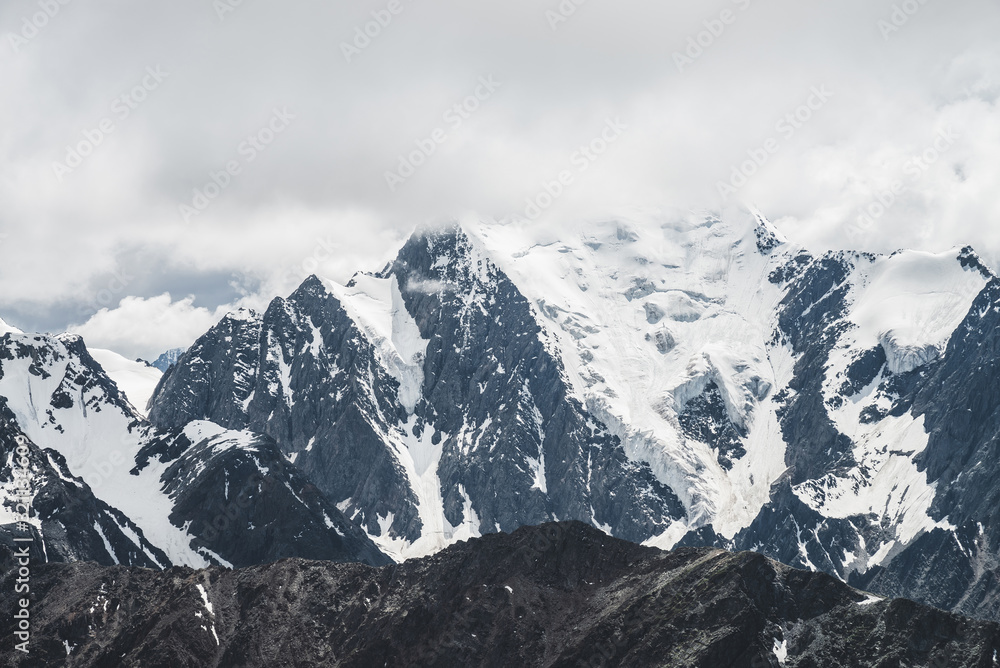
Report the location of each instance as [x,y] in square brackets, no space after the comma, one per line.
[768,236]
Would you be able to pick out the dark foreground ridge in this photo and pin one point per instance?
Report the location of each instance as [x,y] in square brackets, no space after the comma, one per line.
[560,594]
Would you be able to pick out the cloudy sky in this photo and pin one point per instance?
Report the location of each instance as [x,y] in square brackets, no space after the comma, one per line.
[162,161]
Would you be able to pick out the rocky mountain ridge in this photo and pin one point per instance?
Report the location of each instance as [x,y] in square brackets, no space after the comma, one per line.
[557,595]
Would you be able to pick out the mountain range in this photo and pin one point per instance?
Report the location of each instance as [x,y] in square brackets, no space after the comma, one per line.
[676,382]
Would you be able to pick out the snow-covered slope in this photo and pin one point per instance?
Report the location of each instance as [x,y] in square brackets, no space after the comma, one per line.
[136,379]
[376,305]
[5,328]
[647,314]
[910,303]
[61,400]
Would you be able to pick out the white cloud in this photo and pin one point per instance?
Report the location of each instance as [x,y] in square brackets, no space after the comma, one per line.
[323,176]
[144,328]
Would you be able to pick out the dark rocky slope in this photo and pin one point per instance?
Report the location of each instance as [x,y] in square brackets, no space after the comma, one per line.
[556,595]
[499,396]
[246,504]
[304,374]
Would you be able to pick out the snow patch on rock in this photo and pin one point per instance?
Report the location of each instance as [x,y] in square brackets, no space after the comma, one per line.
[376,306]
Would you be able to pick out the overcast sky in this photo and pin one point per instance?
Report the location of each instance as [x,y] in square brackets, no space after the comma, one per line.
[902,98]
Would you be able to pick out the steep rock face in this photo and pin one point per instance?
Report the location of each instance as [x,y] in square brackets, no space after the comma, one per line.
[304,374]
[516,448]
[705,419]
[871,433]
[217,379]
[961,401]
[244,504]
[557,595]
[811,319]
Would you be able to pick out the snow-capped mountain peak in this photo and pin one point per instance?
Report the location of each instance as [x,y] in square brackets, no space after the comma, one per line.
[673,380]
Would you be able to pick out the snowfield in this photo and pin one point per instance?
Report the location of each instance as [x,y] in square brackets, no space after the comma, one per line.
[136,379]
